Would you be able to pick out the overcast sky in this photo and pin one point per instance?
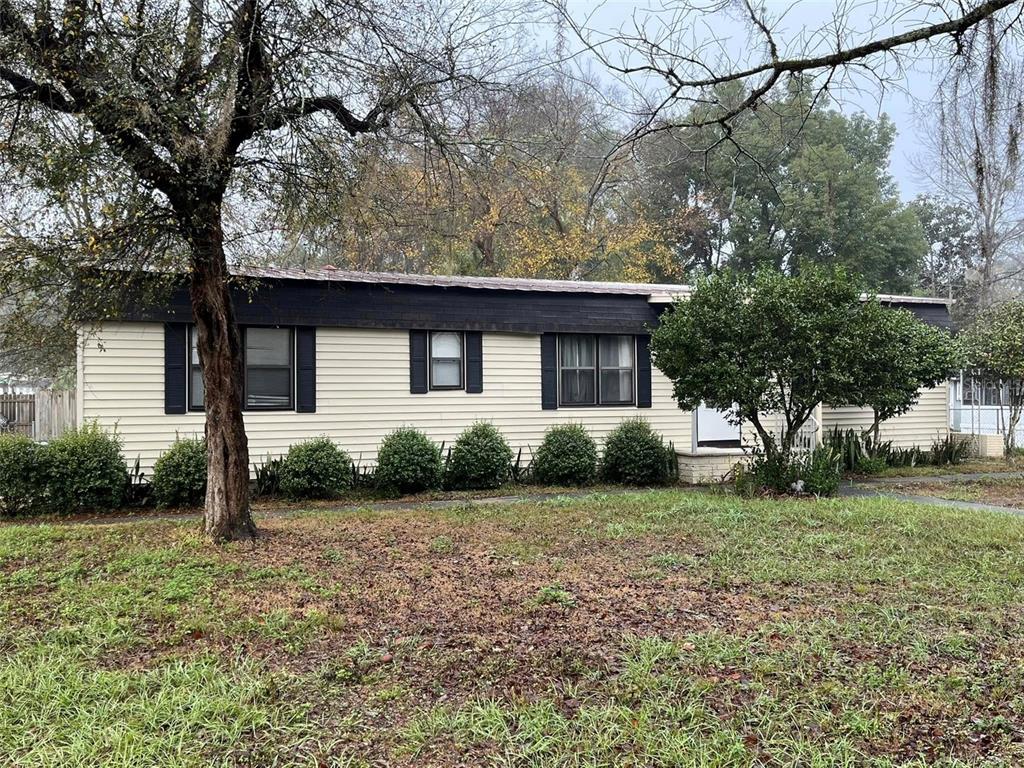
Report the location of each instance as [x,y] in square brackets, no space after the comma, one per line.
[796,24]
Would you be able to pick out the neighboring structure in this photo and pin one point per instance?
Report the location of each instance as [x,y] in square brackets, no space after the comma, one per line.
[354,355]
[977,407]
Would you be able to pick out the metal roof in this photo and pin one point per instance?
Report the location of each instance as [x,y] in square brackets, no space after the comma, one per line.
[658,292]
[458,281]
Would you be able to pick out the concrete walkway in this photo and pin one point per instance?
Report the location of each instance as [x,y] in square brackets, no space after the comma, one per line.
[879,488]
[954,477]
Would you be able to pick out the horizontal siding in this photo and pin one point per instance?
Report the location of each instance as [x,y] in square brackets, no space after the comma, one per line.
[921,426]
[362,394]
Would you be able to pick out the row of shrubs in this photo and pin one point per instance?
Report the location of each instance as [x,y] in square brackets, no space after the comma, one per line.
[820,471]
[410,462]
[85,470]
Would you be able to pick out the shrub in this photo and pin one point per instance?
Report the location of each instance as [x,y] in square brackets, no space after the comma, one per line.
[22,475]
[480,458]
[950,450]
[774,473]
[84,470]
[267,476]
[179,475]
[635,454]
[315,469]
[820,471]
[567,456]
[408,462]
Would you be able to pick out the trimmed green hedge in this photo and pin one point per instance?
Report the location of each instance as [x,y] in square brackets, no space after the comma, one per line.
[179,475]
[315,469]
[480,458]
[567,456]
[408,462]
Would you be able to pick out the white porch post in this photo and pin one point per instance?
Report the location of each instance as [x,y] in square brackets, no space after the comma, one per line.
[819,429]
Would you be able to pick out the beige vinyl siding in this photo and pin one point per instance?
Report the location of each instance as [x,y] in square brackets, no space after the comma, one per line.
[925,422]
[362,394]
[920,426]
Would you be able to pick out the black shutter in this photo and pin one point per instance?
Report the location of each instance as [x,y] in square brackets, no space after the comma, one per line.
[305,370]
[549,371]
[175,370]
[643,371]
[474,361]
[418,362]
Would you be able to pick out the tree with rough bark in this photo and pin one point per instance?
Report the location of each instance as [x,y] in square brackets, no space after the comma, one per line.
[207,112]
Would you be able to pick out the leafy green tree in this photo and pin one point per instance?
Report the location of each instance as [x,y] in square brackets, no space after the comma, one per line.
[764,345]
[994,346]
[951,257]
[799,183]
[899,355]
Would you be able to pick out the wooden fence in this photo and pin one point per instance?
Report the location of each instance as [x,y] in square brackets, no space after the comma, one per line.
[42,416]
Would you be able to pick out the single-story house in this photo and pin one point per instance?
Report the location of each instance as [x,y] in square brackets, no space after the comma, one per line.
[354,355]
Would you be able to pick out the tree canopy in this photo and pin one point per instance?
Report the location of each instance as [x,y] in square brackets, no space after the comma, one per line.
[763,346]
[899,356]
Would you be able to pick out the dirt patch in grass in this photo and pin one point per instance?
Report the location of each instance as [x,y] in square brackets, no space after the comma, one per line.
[1016,464]
[1002,492]
[656,628]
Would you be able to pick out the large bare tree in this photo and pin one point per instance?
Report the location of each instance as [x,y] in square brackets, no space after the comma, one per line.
[974,158]
[206,107]
[678,69]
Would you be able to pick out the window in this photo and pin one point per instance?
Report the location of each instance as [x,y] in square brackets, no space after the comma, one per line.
[446,360]
[196,400]
[577,370]
[984,393]
[268,369]
[616,364]
[596,370]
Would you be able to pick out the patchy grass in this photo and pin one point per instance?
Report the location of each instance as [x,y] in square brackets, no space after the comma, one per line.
[1000,491]
[1015,464]
[651,629]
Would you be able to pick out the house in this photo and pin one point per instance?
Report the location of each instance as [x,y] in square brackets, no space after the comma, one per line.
[353,355]
[980,407]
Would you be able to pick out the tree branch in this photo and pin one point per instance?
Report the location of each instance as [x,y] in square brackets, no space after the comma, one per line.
[27,89]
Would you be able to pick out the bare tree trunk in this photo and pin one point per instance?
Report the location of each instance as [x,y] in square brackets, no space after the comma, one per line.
[228,515]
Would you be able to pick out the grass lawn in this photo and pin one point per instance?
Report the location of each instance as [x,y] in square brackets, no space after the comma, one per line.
[1016,464]
[665,628]
[1001,491]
